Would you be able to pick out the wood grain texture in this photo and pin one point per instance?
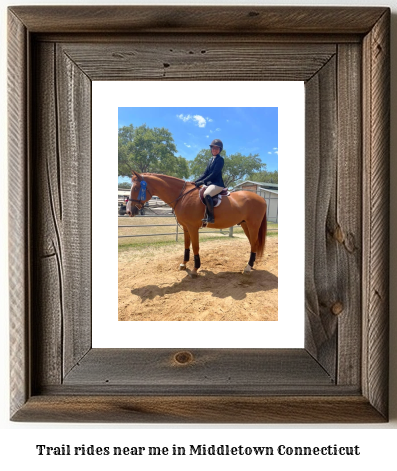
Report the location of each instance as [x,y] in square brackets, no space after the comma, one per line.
[18,217]
[376,92]
[62,206]
[346,228]
[226,370]
[47,325]
[241,38]
[321,278]
[225,59]
[73,90]
[199,409]
[341,375]
[199,19]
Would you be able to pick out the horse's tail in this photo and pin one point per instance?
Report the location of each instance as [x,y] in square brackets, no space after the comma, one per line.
[262,237]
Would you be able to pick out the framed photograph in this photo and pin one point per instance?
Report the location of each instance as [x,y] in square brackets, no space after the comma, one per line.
[340,373]
[143,280]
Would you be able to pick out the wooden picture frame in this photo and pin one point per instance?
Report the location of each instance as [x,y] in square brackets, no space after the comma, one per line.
[342,54]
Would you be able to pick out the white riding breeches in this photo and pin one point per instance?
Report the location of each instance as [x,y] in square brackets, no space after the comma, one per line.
[212,190]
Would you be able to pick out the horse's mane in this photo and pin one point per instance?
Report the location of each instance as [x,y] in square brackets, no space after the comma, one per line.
[162,175]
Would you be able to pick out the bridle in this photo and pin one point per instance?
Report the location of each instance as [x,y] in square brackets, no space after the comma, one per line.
[142,195]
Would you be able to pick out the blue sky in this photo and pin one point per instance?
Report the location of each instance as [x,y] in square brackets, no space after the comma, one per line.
[244,130]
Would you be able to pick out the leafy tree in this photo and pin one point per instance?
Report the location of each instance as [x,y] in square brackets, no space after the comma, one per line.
[124,185]
[145,149]
[264,177]
[181,169]
[200,162]
[237,166]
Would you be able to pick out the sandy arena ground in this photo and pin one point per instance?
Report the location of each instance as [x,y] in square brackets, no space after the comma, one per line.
[151,288]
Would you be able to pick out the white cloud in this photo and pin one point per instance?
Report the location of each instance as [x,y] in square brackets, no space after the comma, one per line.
[276,152]
[184,118]
[209,120]
[207,136]
[187,145]
[217,129]
[198,120]
[269,153]
[275,148]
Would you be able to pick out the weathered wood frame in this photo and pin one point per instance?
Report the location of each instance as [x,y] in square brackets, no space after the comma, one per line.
[342,54]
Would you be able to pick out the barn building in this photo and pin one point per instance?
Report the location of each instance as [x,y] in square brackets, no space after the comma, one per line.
[268,191]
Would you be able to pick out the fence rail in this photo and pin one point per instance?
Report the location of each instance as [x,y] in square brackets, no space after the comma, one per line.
[229,231]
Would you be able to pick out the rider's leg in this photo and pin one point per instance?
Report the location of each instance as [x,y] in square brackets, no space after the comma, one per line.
[210,209]
[209,192]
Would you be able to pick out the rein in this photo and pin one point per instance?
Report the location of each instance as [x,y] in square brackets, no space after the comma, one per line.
[181,195]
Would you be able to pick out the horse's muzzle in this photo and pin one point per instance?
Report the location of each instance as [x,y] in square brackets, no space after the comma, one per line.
[131,210]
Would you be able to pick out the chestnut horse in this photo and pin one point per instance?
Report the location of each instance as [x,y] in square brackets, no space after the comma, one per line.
[243,207]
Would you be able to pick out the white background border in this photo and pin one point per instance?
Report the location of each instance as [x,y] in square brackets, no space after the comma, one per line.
[19,439]
[288,331]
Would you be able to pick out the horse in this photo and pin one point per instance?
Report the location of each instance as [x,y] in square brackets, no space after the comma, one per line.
[244,208]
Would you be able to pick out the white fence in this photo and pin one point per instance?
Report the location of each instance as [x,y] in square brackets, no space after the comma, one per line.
[175,224]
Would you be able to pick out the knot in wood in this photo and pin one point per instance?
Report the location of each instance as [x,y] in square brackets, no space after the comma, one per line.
[183,358]
[338,235]
[337,308]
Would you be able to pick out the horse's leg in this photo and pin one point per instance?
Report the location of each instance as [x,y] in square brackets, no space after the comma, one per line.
[194,235]
[252,234]
[186,257]
[245,229]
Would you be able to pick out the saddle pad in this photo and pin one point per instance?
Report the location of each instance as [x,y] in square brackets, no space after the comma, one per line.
[216,199]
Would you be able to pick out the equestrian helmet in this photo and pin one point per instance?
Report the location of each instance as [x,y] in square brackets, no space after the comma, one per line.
[217,143]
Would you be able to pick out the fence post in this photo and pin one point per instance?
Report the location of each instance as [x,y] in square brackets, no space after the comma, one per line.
[176,237]
[231,231]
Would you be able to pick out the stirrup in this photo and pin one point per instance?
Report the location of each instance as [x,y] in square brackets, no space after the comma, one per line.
[208,220]
[207,217]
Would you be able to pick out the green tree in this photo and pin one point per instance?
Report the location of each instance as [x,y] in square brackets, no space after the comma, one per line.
[237,166]
[124,185]
[264,177]
[145,149]
[181,169]
[200,162]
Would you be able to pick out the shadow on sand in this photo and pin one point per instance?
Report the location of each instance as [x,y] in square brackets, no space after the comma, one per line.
[220,285]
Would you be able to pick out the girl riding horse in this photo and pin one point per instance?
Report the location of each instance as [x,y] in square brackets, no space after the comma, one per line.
[241,207]
[212,179]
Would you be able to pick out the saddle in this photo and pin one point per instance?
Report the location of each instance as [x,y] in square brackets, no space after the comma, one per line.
[216,199]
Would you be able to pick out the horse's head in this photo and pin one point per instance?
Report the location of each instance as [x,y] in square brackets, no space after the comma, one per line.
[133,205]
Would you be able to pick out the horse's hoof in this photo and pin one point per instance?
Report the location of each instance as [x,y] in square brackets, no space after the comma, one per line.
[182,267]
[247,270]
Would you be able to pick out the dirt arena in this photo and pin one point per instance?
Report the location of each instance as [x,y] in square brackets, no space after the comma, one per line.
[151,288]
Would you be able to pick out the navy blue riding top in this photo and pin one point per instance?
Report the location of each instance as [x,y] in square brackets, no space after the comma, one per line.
[213,173]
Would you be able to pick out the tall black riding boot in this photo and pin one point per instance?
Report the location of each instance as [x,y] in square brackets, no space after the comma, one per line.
[210,210]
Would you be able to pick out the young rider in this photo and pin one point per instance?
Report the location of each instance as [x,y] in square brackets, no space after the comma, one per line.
[212,178]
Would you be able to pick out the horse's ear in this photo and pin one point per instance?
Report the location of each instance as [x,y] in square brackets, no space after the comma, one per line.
[137,175]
